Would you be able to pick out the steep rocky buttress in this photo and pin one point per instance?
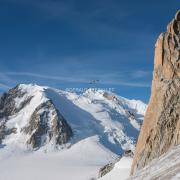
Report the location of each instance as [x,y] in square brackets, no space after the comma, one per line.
[161,128]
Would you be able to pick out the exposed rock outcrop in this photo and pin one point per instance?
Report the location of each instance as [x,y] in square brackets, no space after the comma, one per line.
[8,102]
[106,169]
[8,108]
[161,128]
[47,124]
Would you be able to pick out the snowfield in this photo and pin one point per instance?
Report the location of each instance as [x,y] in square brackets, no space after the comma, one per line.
[104,126]
[80,162]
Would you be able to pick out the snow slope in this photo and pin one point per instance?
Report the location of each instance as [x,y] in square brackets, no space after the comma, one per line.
[103,124]
[80,162]
[90,113]
[166,167]
[120,171]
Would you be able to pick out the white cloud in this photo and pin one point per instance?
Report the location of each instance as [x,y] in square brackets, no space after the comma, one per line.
[5,78]
[43,76]
[114,78]
[4,86]
[140,74]
[5,82]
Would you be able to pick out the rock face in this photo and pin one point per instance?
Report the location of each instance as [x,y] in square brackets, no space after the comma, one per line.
[160,131]
[8,105]
[44,124]
[106,169]
[8,108]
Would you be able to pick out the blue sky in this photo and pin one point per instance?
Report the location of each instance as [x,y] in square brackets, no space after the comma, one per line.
[66,44]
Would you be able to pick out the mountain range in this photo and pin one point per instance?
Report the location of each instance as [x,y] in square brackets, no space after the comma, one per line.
[50,129]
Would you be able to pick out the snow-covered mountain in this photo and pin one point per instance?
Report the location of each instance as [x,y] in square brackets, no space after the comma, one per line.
[80,132]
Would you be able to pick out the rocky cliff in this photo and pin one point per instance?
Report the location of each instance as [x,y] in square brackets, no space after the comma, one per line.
[161,128]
